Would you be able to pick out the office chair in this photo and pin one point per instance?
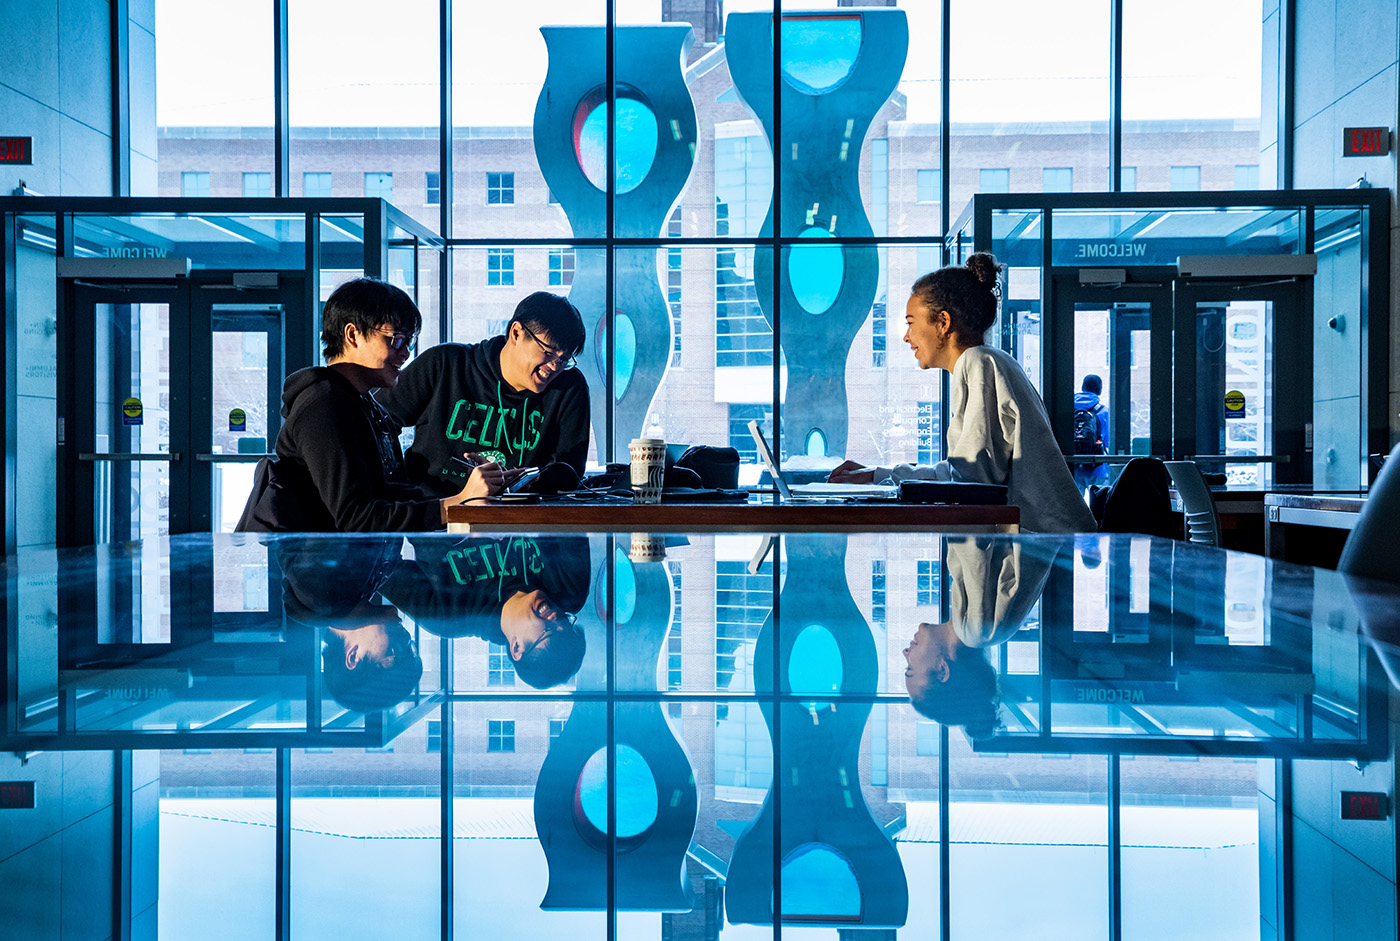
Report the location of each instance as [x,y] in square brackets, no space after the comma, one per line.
[1202,521]
[1370,548]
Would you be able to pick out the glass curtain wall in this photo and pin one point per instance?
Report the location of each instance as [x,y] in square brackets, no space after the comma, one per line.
[695,325]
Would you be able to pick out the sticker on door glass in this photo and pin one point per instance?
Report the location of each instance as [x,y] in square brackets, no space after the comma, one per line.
[1234,404]
[237,420]
[131,412]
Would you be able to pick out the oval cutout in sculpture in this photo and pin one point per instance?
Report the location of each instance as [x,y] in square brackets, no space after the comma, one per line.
[637,801]
[635,143]
[815,271]
[818,882]
[816,443]
[819,51]
[624,354]
[626,592]
[814,665]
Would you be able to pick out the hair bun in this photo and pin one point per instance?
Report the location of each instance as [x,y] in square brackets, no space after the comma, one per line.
[984,268]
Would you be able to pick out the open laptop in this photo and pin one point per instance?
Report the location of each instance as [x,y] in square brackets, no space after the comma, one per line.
[820,492]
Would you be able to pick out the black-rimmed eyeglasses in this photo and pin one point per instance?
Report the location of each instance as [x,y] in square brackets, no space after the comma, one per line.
[567,360]
[396,341]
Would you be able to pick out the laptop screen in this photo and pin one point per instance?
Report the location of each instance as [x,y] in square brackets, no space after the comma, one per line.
[765,454]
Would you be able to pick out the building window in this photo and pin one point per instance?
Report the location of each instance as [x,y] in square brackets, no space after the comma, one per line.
[877,593]
[194,184]
[673,285]
[994,181]
[926,583]
[500,735]
[1186,179]
[930,186]
[928,433]
[673,639]
[432,189]
[500,267]
[1128,177]
[556,728]
[742,334]
[926,259]
[879,330]
[1246,176]
[434,736]
[379,186]
[500,670]
[316,185]
[500,189]
[743,601]
[739,437]
[925,738]
[1057,179]
[561,267]
[257,185]
[743,192]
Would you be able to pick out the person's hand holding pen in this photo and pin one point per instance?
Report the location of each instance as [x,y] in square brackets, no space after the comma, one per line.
[487,479]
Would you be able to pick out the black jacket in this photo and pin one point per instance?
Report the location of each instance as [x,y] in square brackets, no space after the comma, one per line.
[457,401]
[338,467]
[455,588]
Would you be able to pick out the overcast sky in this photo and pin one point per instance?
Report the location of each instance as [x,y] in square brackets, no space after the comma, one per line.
[364,63]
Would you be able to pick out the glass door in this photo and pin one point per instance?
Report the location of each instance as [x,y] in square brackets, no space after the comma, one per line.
[1117,345]
[1244,380]
[124,453]
[170,394]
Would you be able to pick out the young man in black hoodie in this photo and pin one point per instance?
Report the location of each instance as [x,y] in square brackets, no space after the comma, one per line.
[514,399]
[339,467]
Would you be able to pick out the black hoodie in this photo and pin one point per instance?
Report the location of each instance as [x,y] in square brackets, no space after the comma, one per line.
[457,401]
[338,468]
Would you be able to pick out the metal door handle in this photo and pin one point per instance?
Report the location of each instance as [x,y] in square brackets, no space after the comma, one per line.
[134,456]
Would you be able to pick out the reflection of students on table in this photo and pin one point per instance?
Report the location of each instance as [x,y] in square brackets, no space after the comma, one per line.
[999,432]
[993,584]
[368,660]
[521,592]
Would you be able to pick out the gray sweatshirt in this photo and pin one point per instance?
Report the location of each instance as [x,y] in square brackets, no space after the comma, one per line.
[1000,434]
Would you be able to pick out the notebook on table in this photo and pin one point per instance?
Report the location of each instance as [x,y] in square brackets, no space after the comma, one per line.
[822,492]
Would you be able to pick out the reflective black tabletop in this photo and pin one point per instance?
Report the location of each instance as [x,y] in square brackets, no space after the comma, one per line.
[686,736]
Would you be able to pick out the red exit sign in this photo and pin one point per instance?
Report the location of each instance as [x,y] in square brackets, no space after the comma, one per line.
[1365,141]
[16,795]
[16,150]
[1365,805]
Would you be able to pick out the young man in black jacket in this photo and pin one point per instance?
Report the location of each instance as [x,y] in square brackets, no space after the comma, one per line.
[514,399]
[339,467]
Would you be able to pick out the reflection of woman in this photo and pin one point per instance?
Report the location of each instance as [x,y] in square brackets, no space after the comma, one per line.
[999,432]
[993,584]
[521,592]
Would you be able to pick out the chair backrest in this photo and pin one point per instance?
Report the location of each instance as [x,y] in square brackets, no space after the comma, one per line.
[1138,501]
[1202,521]
[1370,548]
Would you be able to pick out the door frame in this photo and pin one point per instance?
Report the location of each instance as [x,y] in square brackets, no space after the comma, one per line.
[1144,285]
[1290,371]
[191,301]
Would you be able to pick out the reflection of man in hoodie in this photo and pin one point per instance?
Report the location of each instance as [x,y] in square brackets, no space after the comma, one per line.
[368,661]
[521,592]
[993,584]
[1088,399]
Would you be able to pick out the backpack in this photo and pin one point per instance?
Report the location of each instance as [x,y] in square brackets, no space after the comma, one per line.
[1086,431]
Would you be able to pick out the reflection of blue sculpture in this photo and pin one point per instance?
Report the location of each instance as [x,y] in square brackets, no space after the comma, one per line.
[654,151]
[838,70]
[657,799]
[838,866]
